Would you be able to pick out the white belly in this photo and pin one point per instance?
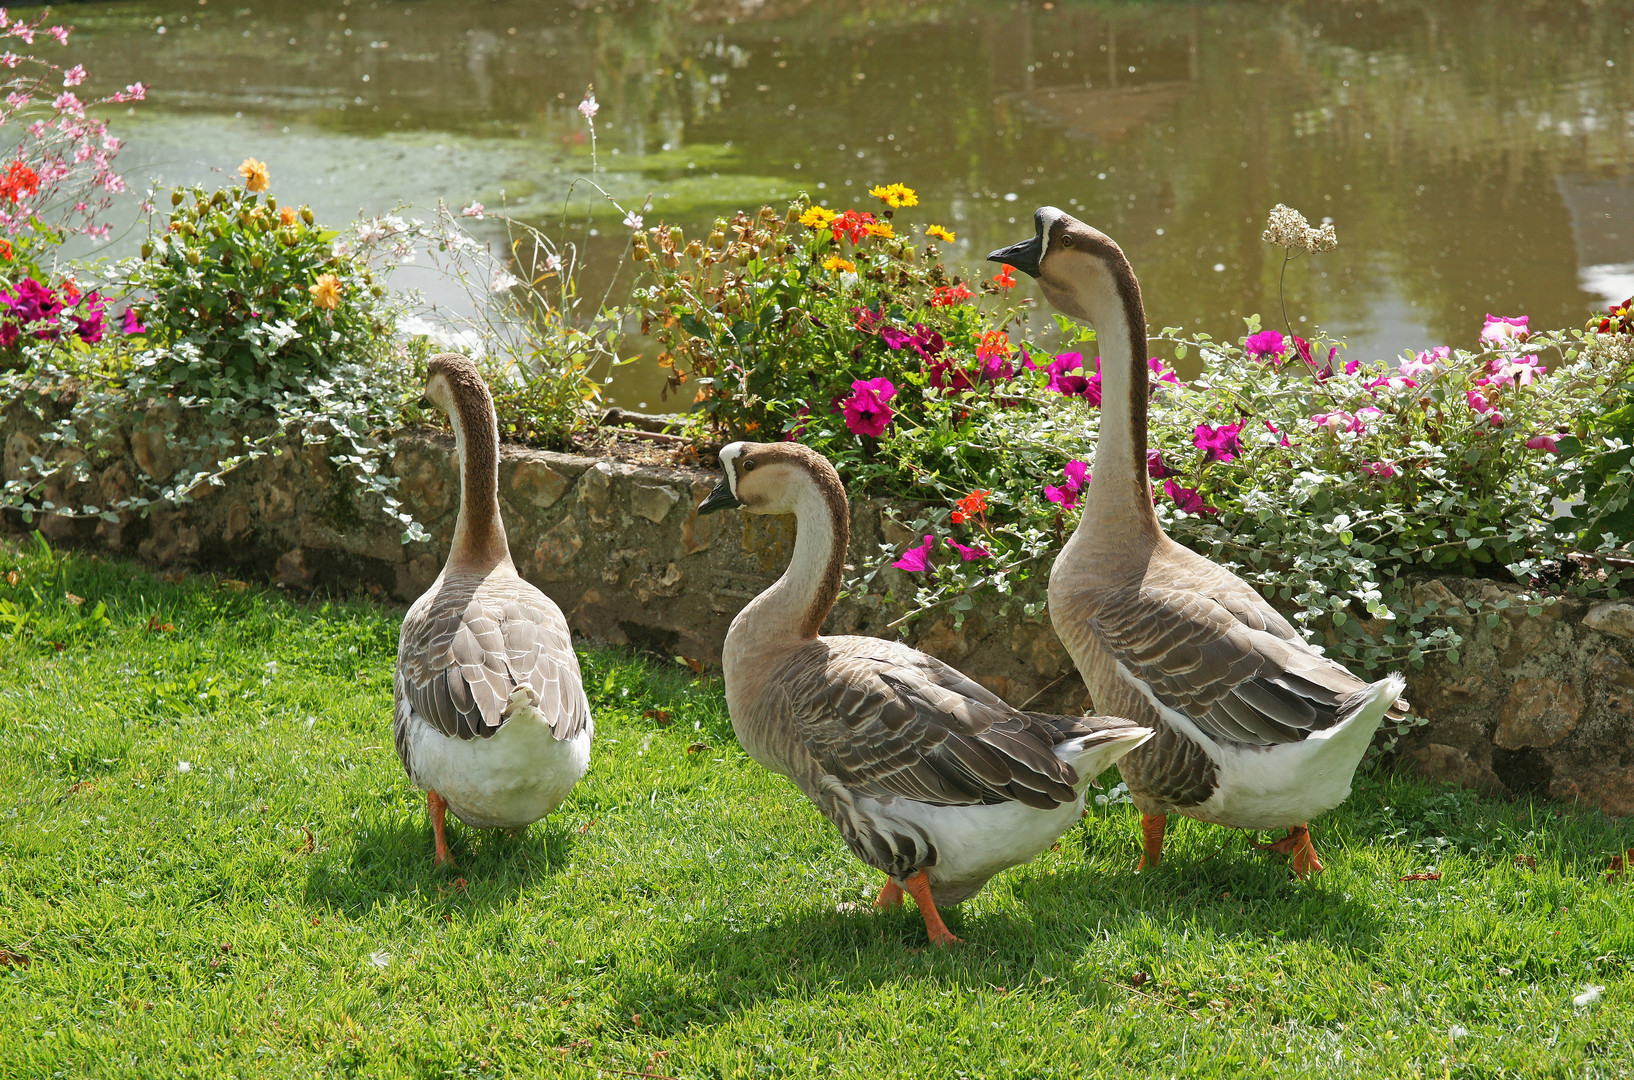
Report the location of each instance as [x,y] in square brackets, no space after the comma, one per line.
[975,842]
[513,779]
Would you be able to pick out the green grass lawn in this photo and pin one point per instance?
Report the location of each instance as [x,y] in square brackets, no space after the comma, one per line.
[211,864]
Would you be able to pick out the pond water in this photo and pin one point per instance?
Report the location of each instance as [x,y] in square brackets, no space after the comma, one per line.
[1473,155]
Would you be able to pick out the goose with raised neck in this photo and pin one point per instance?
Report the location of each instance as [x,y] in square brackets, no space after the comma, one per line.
[491,717]
[929,777]
[1256,729]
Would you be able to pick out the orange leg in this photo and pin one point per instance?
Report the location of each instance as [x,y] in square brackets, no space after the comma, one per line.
[919,889]
[1297,846]
[437,807]
[890,895]
[1151,832]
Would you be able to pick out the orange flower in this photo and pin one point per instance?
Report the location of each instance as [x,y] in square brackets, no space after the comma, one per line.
[5,250]
[936,232]
[834,262]
[993,343]
[287,215]
[970,506]
[881,229]
[1006,278]
[325,292]
[256,177]
[949,295]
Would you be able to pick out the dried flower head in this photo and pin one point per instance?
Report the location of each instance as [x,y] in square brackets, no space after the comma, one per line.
[1289,229]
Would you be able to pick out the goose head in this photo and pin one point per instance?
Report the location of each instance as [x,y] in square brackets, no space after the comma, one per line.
[1080,270]
[450,378]
[773,478]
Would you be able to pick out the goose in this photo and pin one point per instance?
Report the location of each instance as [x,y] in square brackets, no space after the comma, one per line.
[930,777]
[491,717]
[1256,729]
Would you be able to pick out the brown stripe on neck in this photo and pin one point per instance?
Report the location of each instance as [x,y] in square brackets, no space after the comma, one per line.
[827,483]
[1140,386]
[479,479]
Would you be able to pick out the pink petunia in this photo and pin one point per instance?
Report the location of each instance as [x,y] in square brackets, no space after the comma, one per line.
[1273,429]
[866,411]
[1338,420]
[1477,401]
[1218,443]
[1543,442]
[1086,387]
[967,554]
[1500,332]
[132,324]
[1381,469]
[1391,382]
[1187,499]
[1265,345]
[916,559]
[1077,475]
[1163,375]
[1155,469]
[1520,370]
[1426,362]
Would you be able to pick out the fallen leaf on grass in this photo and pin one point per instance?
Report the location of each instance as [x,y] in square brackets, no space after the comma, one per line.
[697,748]
[157,625]
[1619,863]
[1433,875]
[82,785]
[586,826]
[1529,862]
[660,715]
[9,959]
[72,599]
[233,585]
[12,578]
[311,841]
[697,666]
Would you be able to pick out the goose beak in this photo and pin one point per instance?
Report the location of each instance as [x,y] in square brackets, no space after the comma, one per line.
[426,403]
[1024,256]
[719,499]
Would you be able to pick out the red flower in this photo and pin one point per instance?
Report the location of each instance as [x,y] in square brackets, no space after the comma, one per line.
[1006,278]
[970,506]
[949,295]
[18,182]
[853,224]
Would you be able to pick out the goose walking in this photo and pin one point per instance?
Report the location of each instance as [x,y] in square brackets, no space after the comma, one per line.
[1255,728]
[491,719]
[929,776]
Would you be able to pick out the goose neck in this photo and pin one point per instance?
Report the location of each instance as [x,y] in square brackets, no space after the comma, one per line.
[479,533]
[792,610]
[1120,491]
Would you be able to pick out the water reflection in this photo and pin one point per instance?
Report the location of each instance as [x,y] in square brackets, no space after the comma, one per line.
[1474,156]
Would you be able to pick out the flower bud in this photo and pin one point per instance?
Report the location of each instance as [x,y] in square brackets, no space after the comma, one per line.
[192,258]
[694,250]
[640,253]
[257,260]
[717,240]
[176,197]
[675,236]
[272,203]
[306,214]
[147,249]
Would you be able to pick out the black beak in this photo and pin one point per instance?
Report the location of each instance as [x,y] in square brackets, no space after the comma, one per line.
[426,403]
[1024,256]
[719,499]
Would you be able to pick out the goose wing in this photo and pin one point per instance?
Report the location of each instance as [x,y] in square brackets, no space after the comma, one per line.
[468,647]
[1236,669]
[888,720]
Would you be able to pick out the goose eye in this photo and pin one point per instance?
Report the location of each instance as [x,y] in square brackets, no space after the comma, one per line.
[1066,240]
[748,466]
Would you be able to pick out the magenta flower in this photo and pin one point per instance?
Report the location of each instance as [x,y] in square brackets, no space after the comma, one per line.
[1027,361]
[1543,442]
[33,302]
[93,323]
[1500,332]
[967,554]
[1273,429]
[1495,418]
[894,338]
[916,559]
[1155,469]
[797,426]
[1162,373]
[1187,499]
[1477,400]
[1424,363]
[132,324]
[1390,382]
[868,321]
[1323,374]
[1381,469]
[1521,370]
[1087,387]
[1077,475]
[1265,345]
[866,411]
[1219,443]
[1303,348]
[1338,420]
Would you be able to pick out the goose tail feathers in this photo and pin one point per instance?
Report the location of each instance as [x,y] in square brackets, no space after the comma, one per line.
[1093,752]
[1368,707]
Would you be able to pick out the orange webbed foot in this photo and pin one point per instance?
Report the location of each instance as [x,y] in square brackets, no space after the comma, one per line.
[437,807]
[890,895]
[1299,849]
[919,889]
[1151,833]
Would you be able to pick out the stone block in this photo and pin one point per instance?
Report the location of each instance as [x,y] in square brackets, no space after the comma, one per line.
[236,523]
[1538,712]
[422,483]
[1448,607]
[556,550]
[1440,763]
[292,571]
[653,501]
[665,582]
[21,448]
[537,484]
[698,531]
[150,445]
[1609,787]
[1611,668]
[1037,646]
[595,490]
[1615,617]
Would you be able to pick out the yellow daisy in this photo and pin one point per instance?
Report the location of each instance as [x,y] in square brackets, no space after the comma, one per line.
[936,232]
[895,195]
[817,218]
[834,262]
[882,229]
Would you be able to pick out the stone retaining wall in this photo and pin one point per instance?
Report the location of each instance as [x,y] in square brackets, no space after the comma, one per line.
[1538,704]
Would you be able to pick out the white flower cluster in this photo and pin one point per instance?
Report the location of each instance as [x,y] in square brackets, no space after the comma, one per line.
[1288,228]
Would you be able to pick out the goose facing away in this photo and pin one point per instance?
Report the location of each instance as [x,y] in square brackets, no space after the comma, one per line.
[491,718]
[929,777]
[1255,728]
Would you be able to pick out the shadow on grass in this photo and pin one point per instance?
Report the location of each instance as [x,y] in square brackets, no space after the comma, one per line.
[391,858]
